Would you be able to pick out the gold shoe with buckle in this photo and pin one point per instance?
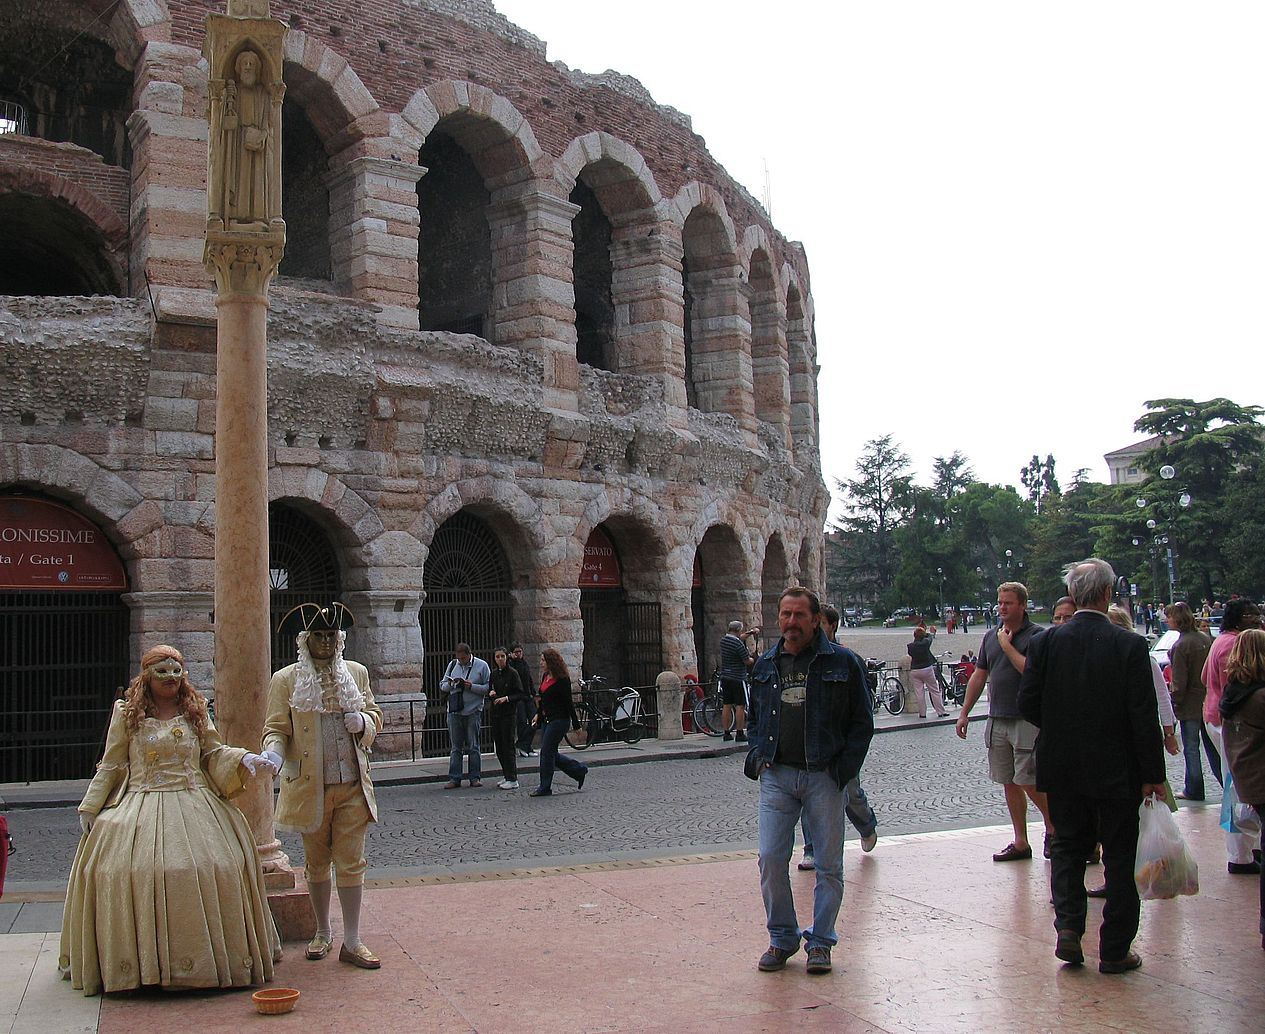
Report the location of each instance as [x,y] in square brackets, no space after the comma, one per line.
[318,947]
[359,956]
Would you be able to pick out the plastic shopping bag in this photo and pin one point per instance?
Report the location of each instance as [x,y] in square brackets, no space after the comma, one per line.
[1164,866]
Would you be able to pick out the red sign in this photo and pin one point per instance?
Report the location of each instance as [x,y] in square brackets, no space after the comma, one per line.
[601,563]
[48,546]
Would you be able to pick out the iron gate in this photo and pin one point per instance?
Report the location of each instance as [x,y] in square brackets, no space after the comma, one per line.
[63,662]
[630,634]
[302,568]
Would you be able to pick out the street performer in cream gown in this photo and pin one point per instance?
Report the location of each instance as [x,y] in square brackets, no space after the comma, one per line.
[321,722]
[166,887]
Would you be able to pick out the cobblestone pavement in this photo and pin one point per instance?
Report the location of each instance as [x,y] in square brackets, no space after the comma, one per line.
[918,780]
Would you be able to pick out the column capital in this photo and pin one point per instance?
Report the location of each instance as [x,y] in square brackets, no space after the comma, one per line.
[368,164]
[243,263]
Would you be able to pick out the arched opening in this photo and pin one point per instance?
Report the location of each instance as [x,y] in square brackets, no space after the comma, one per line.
[592,273]
[305,199]
[768,362]
[774,578]
[67,81]
[63,639]
[721,593]
[623,629]
[302,568]
[49,248]
[467,580]
[803,382]
[454,244]
[691,391]
[718,373]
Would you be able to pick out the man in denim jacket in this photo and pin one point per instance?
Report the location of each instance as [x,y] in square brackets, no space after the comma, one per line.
[810,729]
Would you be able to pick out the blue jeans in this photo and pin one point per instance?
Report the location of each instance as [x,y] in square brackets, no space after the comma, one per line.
[856,806]
[463,732]
[549,756]
[1192,729]
[785,793]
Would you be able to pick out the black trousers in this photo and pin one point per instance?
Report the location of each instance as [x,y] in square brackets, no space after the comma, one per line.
[1078,823]
[504,731]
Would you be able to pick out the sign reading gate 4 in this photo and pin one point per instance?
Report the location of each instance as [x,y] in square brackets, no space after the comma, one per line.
[47,546]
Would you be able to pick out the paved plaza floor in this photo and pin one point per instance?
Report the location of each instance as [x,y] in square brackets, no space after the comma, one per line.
[934,936]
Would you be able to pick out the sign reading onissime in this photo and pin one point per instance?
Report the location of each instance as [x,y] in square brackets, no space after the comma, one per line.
[47,546]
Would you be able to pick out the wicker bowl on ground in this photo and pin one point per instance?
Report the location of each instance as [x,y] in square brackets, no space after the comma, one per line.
[273,1001]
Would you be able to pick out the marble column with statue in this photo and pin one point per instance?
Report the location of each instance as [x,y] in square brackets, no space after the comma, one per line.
[245,239]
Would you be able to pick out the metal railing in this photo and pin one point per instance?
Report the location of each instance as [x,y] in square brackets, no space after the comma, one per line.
[12,118]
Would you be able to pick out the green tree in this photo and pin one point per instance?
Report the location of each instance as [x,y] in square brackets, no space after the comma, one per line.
[1038,478]
[876,503]
[1244,525]
[1206,445]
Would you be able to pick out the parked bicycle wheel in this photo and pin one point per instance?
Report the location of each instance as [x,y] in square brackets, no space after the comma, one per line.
[626,722]
[579,738]
[708,715]
[893,695]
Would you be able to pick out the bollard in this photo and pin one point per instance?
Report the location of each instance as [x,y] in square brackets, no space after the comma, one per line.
[668,690]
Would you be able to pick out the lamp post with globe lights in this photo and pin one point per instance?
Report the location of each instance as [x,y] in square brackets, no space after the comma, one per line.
[1167,506]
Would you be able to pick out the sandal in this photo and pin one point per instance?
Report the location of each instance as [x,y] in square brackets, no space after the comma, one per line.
[1010,853]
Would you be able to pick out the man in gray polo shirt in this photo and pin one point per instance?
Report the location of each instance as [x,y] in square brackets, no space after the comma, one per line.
[1010,739]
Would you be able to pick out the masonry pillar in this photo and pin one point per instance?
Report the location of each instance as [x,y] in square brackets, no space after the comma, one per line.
[533,296]
[373,223]
[245,238]
[387,639]
[650,308]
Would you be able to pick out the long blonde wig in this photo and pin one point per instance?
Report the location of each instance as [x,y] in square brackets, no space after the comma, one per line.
[138,702]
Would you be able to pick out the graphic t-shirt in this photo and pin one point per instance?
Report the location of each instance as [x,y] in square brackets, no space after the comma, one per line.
[793,675]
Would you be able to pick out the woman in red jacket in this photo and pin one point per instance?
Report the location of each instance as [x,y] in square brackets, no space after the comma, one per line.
[556,715]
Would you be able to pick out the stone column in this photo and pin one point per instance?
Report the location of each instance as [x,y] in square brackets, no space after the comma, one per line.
[533,295]
[245,239]
[373,224]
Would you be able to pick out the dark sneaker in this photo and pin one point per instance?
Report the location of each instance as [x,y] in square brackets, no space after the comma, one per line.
[1243,868]
[775,958]
[869,841]
[807,864]
[741,737]
[728,736]
[1069,948]
[818,960]
[1130,961]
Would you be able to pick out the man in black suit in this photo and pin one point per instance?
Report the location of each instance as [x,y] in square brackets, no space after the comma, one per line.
[1087,685]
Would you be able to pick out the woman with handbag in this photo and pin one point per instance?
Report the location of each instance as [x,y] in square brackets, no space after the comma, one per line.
[556,715]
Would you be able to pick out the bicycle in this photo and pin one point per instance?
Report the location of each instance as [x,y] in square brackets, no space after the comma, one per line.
[709,709]
[885,688]
[952,690]
[605,715]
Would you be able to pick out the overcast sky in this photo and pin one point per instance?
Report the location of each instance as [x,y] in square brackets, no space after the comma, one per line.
[1022,219]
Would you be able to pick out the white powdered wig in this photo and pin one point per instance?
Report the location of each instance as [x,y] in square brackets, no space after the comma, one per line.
[307,695]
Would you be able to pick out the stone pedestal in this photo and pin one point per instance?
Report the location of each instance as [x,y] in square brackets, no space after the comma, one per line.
[668,688]
[291,910]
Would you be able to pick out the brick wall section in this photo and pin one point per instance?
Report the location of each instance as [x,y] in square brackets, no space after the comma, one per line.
[108,184]
[424,46]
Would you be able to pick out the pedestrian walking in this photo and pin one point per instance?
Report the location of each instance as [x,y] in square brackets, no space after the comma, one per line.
[556,716]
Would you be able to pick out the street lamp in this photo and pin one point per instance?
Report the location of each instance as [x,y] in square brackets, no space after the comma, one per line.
[940,572]
[1167,513]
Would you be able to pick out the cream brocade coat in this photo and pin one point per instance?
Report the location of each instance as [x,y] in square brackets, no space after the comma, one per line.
[167,888]
[296,736]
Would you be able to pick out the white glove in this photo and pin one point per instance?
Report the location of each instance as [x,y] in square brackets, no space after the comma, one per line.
[274,759]
[252,762]
[355,722]
[86,821]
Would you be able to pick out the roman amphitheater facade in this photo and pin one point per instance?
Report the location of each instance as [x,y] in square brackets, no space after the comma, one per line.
[538,368]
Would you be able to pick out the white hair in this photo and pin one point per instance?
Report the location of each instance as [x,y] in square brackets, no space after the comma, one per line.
[307,694]
[1089,580]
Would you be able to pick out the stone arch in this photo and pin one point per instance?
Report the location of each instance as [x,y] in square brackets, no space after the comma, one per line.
[495,134]
[766,306]
[511,513]
[323,82]
[618,200]
[118,508]
[70,243]
[717,358]
[725,591]
[775,576]
[801,349]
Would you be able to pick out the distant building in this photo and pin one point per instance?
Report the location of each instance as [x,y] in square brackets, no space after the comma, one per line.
[1125,465]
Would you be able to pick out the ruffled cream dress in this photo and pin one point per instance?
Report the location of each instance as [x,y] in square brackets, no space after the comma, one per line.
[167,888]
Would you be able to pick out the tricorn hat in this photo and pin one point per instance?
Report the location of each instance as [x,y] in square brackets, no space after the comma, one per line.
[309,616]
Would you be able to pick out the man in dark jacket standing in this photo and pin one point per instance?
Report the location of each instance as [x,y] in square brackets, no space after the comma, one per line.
[810,729]
[1087,685]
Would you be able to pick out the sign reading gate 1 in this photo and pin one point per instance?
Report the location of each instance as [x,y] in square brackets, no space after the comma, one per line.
[47,546]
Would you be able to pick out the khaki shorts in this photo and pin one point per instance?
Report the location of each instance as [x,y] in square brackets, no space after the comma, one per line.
[1010,743]
[340,839]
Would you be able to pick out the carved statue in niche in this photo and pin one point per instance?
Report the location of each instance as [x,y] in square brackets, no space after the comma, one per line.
[246,146]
